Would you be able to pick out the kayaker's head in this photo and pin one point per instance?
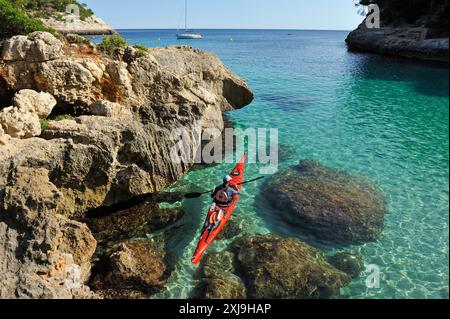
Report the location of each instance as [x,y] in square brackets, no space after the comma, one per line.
[227,179]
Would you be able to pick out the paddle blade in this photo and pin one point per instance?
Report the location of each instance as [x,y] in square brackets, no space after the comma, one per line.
[193,195]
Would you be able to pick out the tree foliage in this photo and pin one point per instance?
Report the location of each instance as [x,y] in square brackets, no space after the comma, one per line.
[47,8]
[14,21]
[407,10]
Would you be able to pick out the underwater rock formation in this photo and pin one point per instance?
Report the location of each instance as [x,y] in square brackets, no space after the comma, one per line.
[133,268]
[276,267]
[349,262]
[328,203]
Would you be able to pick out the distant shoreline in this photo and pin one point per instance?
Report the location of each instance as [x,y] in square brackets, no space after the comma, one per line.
[231,29]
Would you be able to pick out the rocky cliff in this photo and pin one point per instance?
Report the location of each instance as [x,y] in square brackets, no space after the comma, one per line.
[112,143]
[92,25]
[416,30]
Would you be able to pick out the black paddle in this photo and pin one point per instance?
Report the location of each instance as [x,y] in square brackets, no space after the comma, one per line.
[196,195]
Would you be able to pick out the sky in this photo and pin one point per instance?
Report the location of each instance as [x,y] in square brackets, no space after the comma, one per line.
[229,14]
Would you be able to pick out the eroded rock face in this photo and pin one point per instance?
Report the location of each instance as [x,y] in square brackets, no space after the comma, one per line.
[54,251]
[328,203]
[405,42]
[94,161]
[275,267]
[36,47]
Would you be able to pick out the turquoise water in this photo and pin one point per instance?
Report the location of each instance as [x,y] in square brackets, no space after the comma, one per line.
[382,117]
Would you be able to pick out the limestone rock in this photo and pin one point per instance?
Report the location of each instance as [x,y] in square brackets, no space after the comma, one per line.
[406,42]
[109,109]
[31,101]
[330,204]
[55,251]
[275,267]
[19,123]
[36,47]
[4,138]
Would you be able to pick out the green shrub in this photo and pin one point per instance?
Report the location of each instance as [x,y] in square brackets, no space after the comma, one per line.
[141,50]
[64,117]
[44,125]
[14,21]
[112,43]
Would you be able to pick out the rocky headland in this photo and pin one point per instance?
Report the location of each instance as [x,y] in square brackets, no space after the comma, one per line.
[81,130]
[408,29]
[92,25]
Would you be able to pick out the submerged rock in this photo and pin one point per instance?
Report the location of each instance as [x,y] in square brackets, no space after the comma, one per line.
[328,203]
[222,286]
[349,262]
[231,230]
[133,268]
[276,267]
[218,280]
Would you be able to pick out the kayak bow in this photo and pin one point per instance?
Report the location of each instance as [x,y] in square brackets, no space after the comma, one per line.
[208,237]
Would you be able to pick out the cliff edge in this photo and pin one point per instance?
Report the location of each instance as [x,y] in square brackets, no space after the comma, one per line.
[416,30]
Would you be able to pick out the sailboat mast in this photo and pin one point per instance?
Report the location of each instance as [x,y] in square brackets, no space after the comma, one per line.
[185,15]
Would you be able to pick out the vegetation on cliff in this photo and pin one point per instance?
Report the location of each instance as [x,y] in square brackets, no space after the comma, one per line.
[23,16]
[49,8]
[14,21]
[432,14]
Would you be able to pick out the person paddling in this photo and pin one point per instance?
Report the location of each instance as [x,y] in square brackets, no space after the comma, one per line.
[224,194]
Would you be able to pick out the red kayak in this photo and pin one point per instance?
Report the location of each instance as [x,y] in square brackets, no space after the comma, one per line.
[208,237]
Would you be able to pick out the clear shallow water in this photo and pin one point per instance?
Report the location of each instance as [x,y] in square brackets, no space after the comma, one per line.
[382,117]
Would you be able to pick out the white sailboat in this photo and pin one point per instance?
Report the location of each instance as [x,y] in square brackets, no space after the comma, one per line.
[188,35]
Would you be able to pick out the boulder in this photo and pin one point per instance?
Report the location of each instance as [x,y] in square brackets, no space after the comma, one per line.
[132,266]
[223,286]
[35,47]
[109,109]
[31,101]
[276,267]
[330,204]
[349,262]
[19,123]
[218,280]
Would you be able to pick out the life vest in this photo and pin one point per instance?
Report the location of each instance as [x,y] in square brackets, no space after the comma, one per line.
[222,196]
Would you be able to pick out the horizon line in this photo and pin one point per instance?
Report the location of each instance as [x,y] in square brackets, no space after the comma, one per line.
[250,29]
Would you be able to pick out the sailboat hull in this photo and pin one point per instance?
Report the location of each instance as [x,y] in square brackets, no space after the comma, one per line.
[189,36]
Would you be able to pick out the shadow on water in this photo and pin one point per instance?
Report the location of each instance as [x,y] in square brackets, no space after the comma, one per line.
[177,238]
[426,77]
[288,102]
